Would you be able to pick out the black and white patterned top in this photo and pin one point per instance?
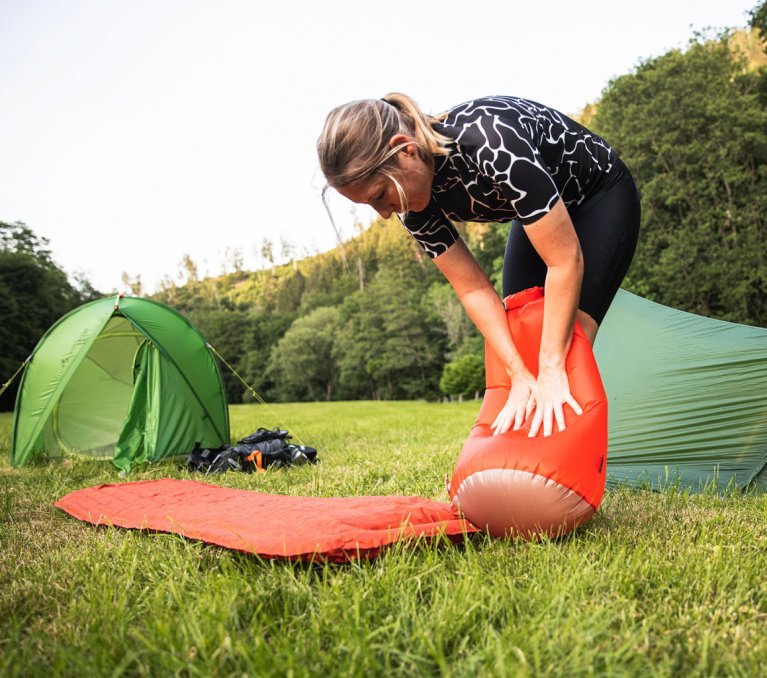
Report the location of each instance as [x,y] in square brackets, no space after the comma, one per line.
[511,159]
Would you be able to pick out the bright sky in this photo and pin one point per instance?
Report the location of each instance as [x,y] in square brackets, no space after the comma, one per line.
[133,132]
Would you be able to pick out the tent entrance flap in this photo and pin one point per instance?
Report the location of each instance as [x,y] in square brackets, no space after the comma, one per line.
[89,415]
[163,416]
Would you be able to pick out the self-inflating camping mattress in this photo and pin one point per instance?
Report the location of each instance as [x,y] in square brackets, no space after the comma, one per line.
[270,525]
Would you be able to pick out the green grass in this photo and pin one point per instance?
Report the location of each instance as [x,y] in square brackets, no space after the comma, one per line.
[657,583]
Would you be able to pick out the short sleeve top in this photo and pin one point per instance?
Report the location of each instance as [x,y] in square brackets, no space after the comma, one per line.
[510,158]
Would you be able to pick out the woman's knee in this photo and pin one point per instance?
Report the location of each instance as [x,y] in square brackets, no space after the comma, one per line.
[589,325]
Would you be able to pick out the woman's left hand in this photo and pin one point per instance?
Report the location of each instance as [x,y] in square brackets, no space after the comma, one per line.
[553,392]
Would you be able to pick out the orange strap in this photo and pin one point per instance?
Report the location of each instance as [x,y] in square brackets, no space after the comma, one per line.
[256,457]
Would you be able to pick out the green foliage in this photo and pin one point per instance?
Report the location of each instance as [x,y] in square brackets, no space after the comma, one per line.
[750,48]
[759,21]
[690,126]
[34,293]
[245,341]
[302,364]
[391,344]
[463,376]
[265,331]
[447,306]
[487,242]
[226,331]
[473,345]
[391,298]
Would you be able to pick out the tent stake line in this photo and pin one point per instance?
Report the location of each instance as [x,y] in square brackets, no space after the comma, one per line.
[253,392]
[15,374]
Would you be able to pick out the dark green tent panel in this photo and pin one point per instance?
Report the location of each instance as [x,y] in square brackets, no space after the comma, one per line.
[687,397]
[129,379]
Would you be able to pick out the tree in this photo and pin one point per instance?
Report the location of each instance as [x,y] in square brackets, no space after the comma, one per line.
[287,250]
[187,270]
[34,293]
[758,25]
[224,330]
[267,251]
[244,339]
[234,260]
[690,126]
[463,376]
[448,307]
[132,284]
[302,364]
[759,21]
[84,289]
[290,291]
[392,344]
[488,244]
[266,329]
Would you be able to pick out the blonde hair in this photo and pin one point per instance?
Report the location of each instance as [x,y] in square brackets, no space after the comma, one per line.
[355,141]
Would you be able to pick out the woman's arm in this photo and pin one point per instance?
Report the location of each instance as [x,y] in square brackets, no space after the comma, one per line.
[486,310]
[480,300]
[553,237]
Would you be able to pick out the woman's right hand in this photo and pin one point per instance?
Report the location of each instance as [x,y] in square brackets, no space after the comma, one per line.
[520,404]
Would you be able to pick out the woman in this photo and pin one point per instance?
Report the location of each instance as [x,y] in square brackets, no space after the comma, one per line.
[572,204]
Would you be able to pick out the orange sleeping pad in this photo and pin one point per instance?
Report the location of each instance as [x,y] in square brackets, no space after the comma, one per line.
[270,525]
[509,484]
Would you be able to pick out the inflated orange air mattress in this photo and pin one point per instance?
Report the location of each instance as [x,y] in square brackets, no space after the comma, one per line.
[509,485]
[516,485]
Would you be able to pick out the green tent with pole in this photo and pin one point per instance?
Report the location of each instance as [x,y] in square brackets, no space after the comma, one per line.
[687,398]
[125,378]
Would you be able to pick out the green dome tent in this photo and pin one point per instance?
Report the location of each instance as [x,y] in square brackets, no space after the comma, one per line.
[125,378]
[687,397]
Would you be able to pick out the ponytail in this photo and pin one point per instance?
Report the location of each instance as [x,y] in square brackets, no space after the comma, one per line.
[429,141]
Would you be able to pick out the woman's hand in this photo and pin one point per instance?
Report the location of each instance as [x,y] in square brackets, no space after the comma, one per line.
[552,393]
[520,404]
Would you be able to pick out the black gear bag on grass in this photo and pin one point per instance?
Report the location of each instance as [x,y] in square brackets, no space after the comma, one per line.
[260,450]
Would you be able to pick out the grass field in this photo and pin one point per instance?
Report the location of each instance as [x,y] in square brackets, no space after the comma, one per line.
[656,584]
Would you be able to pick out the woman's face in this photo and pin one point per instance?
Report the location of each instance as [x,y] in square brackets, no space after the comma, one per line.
[413,174]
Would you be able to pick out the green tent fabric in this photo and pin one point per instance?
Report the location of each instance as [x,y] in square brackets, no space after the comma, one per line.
[687,397]
[129,379]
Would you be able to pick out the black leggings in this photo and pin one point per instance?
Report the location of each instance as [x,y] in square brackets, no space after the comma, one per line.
[607,225]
